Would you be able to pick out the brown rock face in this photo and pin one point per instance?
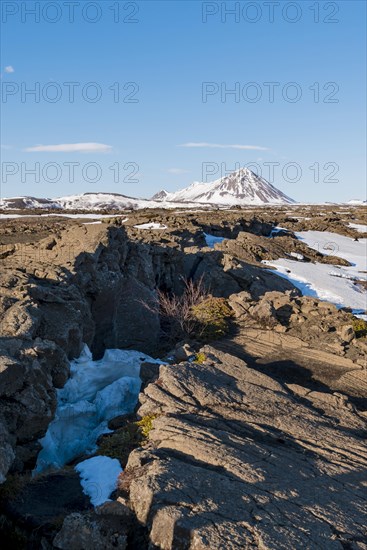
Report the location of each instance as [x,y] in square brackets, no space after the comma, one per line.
[105,529]
[86,292]
[239,460]
[88,284]
[314,323]
[257,442]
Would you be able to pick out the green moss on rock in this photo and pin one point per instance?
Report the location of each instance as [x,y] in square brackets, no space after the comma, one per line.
[359,327]
[200,358]
[124,440]
[213,317]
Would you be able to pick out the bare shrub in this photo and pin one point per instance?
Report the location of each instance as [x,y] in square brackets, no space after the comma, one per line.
[194,313]
[176,311]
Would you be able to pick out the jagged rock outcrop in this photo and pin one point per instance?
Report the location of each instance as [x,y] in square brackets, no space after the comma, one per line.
[105,528]
[253,248]
[258,445]
[237,459]
[92,284]
[315,323]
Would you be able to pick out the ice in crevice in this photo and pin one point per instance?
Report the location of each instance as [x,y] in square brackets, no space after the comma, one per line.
[96,392]
[211,240]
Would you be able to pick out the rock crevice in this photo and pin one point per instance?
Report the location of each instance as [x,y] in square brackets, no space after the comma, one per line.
[91,286]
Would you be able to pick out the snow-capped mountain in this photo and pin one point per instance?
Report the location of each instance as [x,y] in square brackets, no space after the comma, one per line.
[242,187]
[238,189]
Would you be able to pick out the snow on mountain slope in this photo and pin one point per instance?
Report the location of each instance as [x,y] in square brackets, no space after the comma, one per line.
[87,201]
[239,188]
[357,202]
[100,201]
[20,203]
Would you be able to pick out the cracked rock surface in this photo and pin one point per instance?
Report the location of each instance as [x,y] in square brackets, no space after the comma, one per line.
[86,284]
[260,445]
[237,459]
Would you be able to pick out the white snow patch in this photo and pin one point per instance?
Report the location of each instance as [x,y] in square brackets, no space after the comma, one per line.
[356,202]
[211,240]
[359,227]
[277,230]
[96,392]
[150,226]
[329,282]
[341,246]
[99,476]
[297,256]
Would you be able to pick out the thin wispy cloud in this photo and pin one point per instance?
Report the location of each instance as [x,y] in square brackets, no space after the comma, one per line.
[177,171]
[9,69]
[223,146]
[71,148]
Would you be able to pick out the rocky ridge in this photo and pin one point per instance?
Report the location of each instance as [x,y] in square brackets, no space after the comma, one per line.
[95,279]
[245,431]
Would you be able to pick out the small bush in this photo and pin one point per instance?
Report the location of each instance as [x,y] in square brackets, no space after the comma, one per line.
[200,358]
[193,314]
[176,311]
[212,315]
[146,425]
[359,327]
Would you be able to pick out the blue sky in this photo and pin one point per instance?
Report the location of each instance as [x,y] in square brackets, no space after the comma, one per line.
[171,135]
